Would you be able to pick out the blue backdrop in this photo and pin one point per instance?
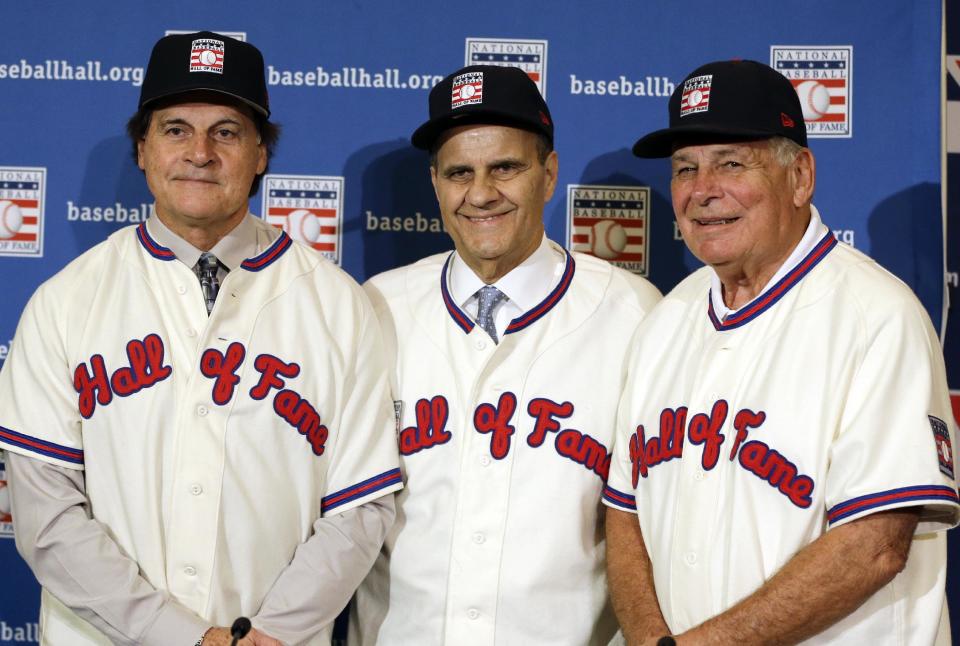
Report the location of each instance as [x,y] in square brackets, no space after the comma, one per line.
[349,83]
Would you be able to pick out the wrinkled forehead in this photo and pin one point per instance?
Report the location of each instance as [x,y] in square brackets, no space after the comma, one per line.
[485,141]
[191,101]
[714,147]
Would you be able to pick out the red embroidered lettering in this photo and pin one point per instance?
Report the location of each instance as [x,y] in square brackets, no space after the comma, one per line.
[706,430]
[301,415]
[268,367]
[743,422]
[584,450]
[546,412]
[431,418]
[92,388]
[222,368]
[769,465]
[487,419]
[636,455]
[146,368]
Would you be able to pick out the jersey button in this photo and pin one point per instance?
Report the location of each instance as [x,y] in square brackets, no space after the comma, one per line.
[479,538]
[191,332]
[485,460]
[202,410]
[181,289]
[699,475]
[480,344]
[690,558]
[190,570]
[473,613]
[196,489]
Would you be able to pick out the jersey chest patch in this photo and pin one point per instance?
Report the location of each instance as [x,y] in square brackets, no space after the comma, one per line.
[704,429]
[497,422]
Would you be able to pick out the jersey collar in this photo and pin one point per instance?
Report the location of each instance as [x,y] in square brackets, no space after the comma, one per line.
[816,243]
[252,244]
[463,320]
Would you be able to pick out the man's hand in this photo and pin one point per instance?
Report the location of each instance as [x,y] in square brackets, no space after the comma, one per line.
[221,637]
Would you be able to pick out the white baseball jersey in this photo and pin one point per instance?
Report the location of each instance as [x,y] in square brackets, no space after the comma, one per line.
[209,445]
[505,449]
[741,440]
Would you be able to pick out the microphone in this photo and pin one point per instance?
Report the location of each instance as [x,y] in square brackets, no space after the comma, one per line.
[239,629]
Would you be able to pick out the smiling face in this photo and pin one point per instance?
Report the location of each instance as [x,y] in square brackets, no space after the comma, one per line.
[740,210]
[200,160]
[492,187]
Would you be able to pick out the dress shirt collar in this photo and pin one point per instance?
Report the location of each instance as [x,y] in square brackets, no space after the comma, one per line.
[525,285]
[235,247]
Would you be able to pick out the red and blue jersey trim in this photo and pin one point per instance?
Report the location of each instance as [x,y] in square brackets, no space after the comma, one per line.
[922,494]
[458,315]
[360,490]
[267,258]
[547,304]
[42,447]
[152,246]
[765,301]
[619,499]
[521,322]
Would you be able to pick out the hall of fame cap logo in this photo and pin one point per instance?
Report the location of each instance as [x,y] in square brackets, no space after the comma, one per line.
[612,223]
[236,35]
[696,95]
[823,79]
[309,208]
[22,191]
[528,55]
[467,90]
[206,55]
[6,520]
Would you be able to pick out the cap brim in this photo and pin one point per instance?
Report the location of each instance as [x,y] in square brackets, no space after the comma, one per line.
[425,136]
[661,143]
[203,88]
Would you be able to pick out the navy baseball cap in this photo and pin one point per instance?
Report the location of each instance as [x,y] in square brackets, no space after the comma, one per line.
[479,94]
[205,61]
[729,99]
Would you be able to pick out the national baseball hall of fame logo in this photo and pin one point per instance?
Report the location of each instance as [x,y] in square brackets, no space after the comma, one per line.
[823,78]
[610,222]
[22,192]
[308,207]
[528,55]
[6,520]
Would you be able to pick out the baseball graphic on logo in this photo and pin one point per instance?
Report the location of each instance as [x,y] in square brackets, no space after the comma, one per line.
[207,57]
[11,219]
[608,240]
[467,91]
[814,99]
[304,226]
[694,98]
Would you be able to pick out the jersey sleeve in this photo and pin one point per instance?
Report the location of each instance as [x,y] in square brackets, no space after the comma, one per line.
[619,491]
[366,462]
[894,447]
[39,417]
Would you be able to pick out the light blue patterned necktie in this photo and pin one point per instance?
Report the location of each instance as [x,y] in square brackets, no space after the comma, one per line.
[207,273]
[489,297]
